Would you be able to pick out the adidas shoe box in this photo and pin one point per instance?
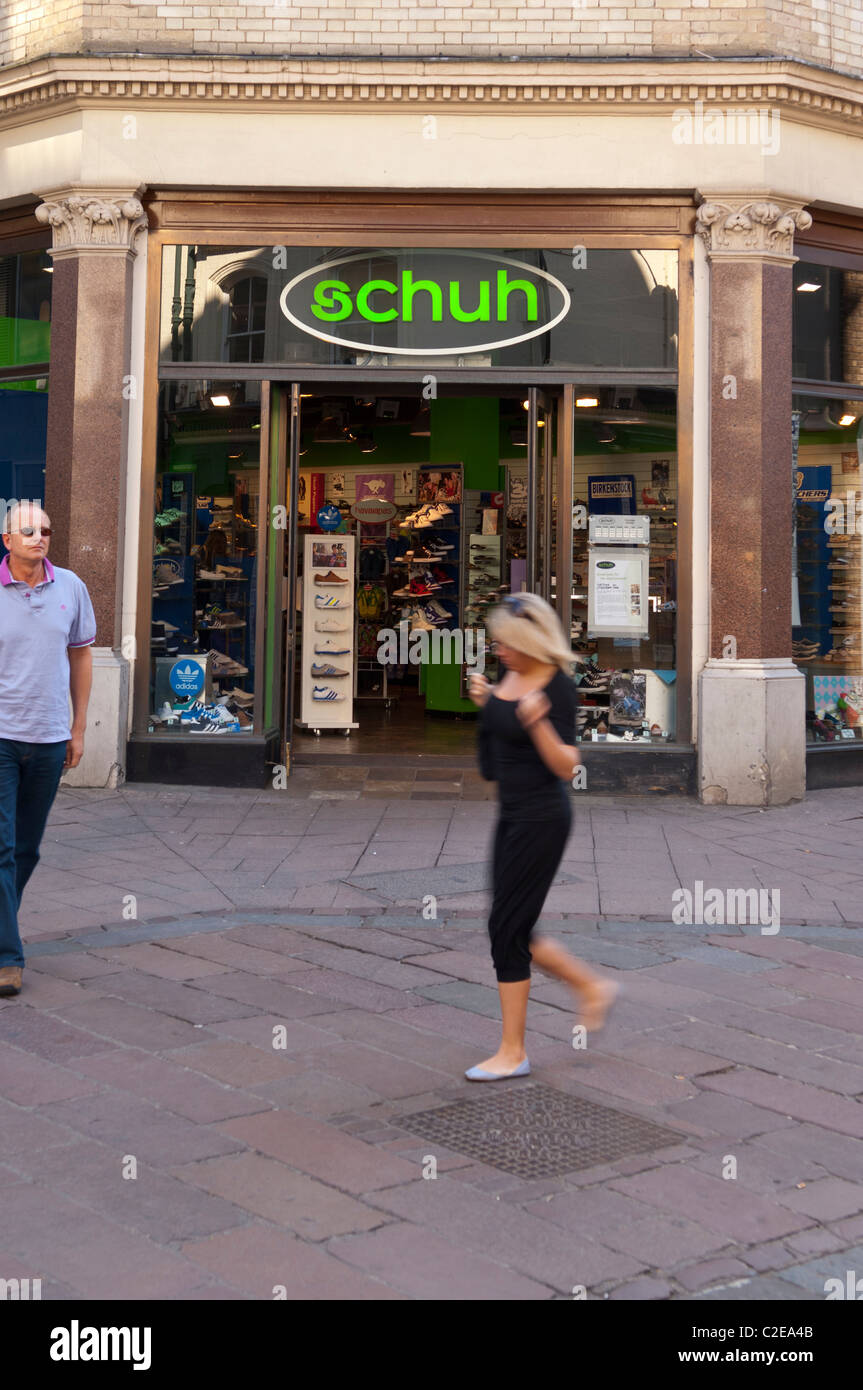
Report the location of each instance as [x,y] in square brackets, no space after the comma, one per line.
[164,690]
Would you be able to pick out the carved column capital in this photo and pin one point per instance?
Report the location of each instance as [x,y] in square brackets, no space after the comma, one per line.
[740,225]
[109,221]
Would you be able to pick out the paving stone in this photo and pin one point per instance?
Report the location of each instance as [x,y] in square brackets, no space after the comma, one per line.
[273,996]
[171,1086]
[51,1038]
[815,1242]
[813,1274]
[74,965]
[151,1135]
[156,960]
[291,1200]
[474,1220]
[709,1272]
[24,1131]
[309,1092]
[656,1239]
[193,1005]
[236,1063]
[320,1150]
[827,1200]
[260,1260]
[710,1113]
[791,1098]
[720,1206]
[642,1289]
[392,1077]
[152,1203]
[759,1289]
[110,1021]
[423,1265]
[32,1081]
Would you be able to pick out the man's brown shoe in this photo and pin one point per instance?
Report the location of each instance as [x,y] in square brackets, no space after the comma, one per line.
[10,979]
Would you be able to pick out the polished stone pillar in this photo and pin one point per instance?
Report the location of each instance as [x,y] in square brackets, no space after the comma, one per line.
[96,233]
[751,696]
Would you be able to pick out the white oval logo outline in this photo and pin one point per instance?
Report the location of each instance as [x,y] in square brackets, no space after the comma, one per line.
[425,352]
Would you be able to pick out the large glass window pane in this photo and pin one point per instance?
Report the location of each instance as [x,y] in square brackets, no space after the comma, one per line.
[23,434]
[205,555]
[499,308]
[827,565]
[625,466]
[828,323]
[25,308]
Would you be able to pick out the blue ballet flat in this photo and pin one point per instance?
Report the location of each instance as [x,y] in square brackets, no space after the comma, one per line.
[477,1073]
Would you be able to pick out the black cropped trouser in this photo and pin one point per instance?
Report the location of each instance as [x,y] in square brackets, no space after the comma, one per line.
[525,858]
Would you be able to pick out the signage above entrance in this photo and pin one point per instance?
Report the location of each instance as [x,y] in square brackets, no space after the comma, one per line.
[425,303]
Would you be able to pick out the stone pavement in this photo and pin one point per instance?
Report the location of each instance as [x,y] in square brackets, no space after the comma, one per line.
[227,1094]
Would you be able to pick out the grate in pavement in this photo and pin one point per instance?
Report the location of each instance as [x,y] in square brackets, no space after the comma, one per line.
[534,1131]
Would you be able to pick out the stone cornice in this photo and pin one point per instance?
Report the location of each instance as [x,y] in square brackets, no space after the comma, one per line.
[804,94]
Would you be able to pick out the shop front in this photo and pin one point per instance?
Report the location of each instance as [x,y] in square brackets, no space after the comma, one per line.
[353,445]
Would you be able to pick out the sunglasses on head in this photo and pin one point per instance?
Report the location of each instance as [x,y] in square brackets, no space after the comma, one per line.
[516,604]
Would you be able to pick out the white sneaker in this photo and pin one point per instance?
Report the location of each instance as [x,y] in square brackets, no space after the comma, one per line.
[331,625]
[325,693]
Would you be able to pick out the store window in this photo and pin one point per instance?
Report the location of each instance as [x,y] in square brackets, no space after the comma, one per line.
[499,308]
[827,564]
[25,331]
[247,307]
[205,551]
[828,323]
[624,573]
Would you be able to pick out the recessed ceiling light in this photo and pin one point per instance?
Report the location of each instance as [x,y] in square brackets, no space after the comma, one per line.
[587,402]
[847,419]
[220,400]
[808,287]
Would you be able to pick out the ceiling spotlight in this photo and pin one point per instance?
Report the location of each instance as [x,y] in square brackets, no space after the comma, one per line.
[847,419]
[587,402]
[221,400]
[808,287]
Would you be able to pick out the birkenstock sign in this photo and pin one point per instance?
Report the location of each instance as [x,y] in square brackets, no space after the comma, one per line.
[425,303]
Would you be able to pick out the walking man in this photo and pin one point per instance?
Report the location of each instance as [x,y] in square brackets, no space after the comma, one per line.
[47,627]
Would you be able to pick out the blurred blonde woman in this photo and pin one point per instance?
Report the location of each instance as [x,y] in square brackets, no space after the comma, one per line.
[527,745]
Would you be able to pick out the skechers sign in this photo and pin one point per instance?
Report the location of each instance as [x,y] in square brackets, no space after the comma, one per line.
[425,303]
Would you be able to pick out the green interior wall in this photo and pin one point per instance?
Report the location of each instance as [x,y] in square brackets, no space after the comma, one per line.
[466,429]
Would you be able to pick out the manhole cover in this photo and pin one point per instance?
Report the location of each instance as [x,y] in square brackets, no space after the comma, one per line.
[536,1132]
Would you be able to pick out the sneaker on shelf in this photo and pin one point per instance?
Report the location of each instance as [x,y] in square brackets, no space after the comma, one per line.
[647,498]
[241,697]
[331,625]
[230,571]
[331,578]
[325,693]
[435,607]
[440,574]
[331,649]
[419,623]
[325,669]
[164,576]
[433,619]
[420,589]
[328,602]
[168,715]
[435,545]
[210,575]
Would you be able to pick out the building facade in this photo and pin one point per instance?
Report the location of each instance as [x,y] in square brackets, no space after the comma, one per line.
[320,325]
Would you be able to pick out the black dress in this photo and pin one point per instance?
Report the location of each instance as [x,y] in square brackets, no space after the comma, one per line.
[533,826]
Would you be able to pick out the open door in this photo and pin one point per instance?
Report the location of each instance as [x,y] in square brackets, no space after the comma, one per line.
[282,558]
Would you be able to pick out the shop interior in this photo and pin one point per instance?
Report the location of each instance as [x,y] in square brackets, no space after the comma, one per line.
[412,519]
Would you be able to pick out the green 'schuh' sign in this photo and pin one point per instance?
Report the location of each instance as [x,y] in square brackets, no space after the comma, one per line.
[425,303]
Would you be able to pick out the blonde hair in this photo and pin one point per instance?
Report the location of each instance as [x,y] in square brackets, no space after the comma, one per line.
[535,631]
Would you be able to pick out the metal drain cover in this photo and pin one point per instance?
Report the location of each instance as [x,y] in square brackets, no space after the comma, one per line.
[534,1131]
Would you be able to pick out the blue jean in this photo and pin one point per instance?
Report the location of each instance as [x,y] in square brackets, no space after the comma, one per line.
[29,778]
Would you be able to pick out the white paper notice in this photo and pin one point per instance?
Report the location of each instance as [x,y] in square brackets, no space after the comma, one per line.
[617,596]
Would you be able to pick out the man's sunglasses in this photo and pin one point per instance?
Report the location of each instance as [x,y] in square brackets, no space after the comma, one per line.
[29,531]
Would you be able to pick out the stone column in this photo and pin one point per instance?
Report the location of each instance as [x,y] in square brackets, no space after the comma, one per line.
[751,735]
[96,231]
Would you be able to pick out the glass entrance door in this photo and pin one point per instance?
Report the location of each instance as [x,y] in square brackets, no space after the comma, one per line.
[283,561]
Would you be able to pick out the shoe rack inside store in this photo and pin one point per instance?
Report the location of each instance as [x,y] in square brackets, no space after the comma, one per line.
[826,642]
[202,631]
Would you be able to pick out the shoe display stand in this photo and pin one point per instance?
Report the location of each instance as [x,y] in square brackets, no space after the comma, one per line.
[371,677]
[811,637]
[326,701]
